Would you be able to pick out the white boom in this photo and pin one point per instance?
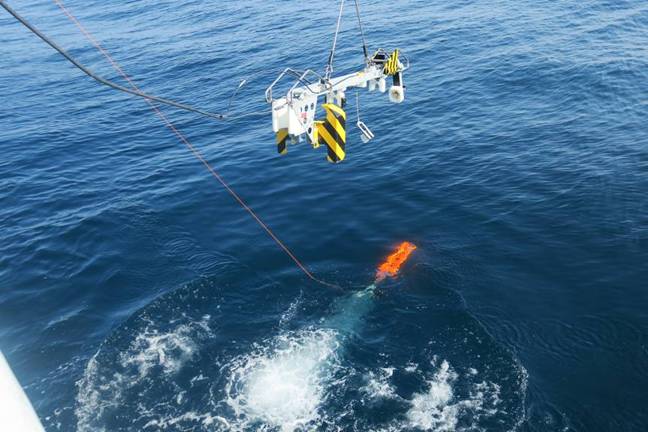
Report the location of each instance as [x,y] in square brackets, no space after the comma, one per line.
[293,115]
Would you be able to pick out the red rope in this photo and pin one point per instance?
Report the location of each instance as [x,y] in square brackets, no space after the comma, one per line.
[193,150]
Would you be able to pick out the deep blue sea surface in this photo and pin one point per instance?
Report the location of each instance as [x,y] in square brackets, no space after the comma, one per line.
[137,295]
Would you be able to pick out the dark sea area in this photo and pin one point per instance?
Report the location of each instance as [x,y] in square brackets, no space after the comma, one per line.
[137,295]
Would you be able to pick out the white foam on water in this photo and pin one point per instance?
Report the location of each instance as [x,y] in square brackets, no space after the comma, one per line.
[96,395]
[283,384]
[432,410]
[102,388]
[292,310]
[437,409]
[378,385]
[152,348]
[411,367]
[186,421]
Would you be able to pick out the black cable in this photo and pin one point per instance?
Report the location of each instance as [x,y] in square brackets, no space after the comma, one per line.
[106,82]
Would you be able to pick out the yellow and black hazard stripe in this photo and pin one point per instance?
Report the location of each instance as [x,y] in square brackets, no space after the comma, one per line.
[332,132]
[391,66]
[316,140]
[282,141]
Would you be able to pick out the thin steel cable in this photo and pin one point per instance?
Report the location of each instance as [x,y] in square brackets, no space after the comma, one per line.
[329,66]
[193,150]
[181,137]
[364,42]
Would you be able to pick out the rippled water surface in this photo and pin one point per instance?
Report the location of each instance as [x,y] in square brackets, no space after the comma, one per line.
[135,294]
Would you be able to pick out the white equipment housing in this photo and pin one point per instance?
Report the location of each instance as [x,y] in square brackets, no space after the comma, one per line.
[295,112]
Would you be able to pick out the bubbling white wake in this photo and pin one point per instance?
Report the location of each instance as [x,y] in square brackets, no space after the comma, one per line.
[433,410]
[283,385]
[437,407]
[298,380]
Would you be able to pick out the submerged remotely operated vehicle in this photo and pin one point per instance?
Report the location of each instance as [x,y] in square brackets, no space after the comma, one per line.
[294,115]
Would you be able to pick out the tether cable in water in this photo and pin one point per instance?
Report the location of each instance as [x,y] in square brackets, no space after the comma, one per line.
[170,125]
[91,74]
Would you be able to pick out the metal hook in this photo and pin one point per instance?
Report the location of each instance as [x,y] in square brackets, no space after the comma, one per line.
[365,133]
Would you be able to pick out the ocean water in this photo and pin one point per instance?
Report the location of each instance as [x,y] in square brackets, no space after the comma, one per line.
[136,295]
